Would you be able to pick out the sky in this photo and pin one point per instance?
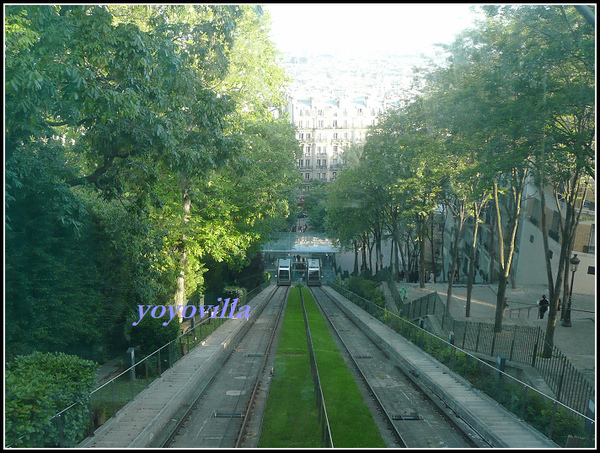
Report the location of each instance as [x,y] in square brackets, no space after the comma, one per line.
[362,27]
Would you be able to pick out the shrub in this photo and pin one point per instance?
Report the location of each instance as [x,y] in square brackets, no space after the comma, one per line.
[40,385]
[366,289]
[150,334]
[234,292]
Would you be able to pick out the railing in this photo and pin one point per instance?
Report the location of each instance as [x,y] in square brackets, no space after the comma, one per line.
[520,344]
[519,310]
[73,424]
[550,416]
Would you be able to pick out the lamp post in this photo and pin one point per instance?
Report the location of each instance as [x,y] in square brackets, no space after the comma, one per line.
[574,263]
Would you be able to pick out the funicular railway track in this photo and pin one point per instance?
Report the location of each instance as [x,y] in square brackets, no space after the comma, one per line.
[217,417]
[415,419]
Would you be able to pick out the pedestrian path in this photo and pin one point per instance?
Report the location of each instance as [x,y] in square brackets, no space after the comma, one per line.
[499,427]
[577,342]
[137,423]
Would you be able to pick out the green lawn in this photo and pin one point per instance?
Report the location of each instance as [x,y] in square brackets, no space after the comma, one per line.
[291,417]
[351,421]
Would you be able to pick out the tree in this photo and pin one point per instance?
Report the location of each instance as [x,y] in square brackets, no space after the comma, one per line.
[128,133]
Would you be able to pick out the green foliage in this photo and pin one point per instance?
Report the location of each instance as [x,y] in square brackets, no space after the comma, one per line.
[38,386]
[315,205]
[140,145]
[150,334]
[366,289]
[234,292]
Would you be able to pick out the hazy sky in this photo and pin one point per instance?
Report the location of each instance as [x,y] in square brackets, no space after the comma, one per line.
[363,27]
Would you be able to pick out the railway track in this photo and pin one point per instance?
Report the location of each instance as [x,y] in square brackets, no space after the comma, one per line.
[414,417]
[218,416]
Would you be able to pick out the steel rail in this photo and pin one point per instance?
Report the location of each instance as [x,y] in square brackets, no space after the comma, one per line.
[262,369]
[378,402]
[325,426]
[191,407]
[479,442]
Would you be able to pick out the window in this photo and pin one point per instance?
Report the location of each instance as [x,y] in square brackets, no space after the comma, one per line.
[335,124]
[335,135]
[306,175]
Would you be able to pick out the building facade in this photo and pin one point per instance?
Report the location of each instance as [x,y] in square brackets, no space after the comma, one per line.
[328,127]
[529,263]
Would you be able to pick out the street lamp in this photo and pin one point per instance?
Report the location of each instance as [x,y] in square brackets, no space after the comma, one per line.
[574,263]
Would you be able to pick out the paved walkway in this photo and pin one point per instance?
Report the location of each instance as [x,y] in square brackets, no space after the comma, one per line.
[577,342]
[139,422]
[496,424]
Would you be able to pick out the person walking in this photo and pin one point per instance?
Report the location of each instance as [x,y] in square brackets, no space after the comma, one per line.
[543,304]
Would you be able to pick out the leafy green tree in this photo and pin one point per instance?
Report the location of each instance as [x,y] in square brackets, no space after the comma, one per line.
[130,150]
[315,204]
[560,53]
[39,385]
[345,221]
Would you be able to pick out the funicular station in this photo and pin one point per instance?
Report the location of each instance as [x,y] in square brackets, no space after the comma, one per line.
[299,248]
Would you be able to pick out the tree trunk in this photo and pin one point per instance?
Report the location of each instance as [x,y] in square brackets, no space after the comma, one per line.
[355,243]
[422,229]
[507,249]
[186,204]
[470,279]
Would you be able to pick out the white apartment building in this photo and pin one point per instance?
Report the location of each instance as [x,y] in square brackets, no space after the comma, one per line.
[328,127]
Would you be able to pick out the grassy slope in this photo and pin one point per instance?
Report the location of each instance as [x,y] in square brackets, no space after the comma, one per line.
[352,424]
[291,418]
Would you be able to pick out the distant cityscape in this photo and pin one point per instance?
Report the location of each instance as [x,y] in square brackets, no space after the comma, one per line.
[385,77]
[333,99]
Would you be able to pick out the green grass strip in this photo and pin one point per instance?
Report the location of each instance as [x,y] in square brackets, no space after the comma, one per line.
[291,417]
[352,424]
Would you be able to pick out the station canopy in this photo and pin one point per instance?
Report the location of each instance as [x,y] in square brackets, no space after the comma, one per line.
[299,243]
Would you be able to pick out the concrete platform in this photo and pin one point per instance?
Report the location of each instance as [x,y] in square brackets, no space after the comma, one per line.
[500,427]
[138,422]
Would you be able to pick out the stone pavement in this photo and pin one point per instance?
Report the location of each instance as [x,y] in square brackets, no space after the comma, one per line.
[577,342]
